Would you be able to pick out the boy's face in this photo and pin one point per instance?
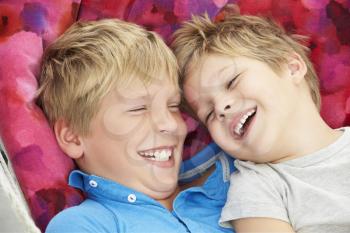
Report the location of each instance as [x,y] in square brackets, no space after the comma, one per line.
[137,138]
[244,103]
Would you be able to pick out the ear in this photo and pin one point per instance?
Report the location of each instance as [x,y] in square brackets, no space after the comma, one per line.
[70,142]
[296,68]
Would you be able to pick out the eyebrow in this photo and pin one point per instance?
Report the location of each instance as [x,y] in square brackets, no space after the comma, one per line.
[145,97]
[134,98]
[222,70]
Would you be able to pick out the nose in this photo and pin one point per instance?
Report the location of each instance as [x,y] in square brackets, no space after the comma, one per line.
[222,108]
[165,121]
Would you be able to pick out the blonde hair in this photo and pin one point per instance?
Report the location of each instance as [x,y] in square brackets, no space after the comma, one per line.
[241,35]
[91,58]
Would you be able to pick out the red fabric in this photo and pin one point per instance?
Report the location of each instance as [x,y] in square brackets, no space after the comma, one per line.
[40,166]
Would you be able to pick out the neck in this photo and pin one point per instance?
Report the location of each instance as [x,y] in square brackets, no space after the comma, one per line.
[309,133]
[168,201]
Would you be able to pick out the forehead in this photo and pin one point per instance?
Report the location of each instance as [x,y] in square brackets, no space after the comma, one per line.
[140,89]
[206,75]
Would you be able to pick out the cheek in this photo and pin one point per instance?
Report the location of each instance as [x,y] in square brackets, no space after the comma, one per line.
[191,95]
[221,135]
[118,125]
[217,133]
[181,126]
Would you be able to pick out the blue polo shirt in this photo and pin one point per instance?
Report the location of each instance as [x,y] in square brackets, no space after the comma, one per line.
[111,207]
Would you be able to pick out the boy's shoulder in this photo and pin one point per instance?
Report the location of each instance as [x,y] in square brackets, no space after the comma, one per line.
[89,216]
[248,169]
[251,179]
[248,182]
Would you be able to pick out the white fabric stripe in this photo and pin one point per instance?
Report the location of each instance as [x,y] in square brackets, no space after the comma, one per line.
[199,169]
[16,213]
[225,167]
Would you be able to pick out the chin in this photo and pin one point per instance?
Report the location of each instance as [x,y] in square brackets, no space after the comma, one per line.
[163,194]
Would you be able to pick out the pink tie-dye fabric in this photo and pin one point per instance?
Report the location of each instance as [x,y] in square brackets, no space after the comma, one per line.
[327,23]
[40,166]
[28,26]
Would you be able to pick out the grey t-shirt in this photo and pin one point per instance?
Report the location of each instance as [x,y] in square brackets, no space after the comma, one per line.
[312,192]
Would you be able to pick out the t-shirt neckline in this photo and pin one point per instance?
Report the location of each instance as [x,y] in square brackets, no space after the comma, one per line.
[322,154]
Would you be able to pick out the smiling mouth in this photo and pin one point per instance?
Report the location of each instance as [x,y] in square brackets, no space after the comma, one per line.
[241,127]
[159,155]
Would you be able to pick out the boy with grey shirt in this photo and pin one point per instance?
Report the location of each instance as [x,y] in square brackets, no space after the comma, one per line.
[255,89]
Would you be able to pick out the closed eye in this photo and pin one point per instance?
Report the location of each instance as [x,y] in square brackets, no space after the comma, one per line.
[208,117]
[138,109]
[229,84]
[174,107]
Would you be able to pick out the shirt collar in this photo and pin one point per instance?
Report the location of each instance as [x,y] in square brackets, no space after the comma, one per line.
[224,167]
[97,187]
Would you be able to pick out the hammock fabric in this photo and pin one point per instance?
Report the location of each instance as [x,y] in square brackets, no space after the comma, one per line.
[27,27]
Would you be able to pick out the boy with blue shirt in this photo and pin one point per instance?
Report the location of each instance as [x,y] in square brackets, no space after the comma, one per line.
[255,89]
[109,89]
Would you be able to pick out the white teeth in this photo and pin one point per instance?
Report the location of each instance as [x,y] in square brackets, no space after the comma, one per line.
[163,156]
[243,119]
[239,127]
[158,155]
